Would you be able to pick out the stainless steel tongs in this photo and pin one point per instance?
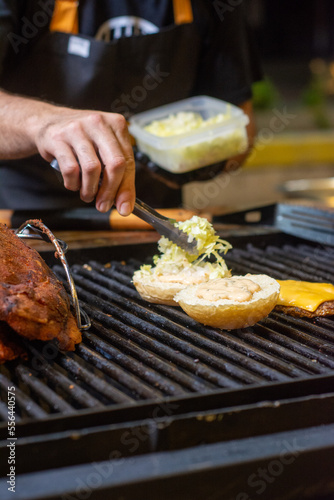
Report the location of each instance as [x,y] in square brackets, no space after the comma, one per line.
[163,225]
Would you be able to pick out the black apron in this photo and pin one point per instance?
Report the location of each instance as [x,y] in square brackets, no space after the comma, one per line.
[128,75]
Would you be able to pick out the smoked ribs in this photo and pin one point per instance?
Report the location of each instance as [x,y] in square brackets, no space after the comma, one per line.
[33,302]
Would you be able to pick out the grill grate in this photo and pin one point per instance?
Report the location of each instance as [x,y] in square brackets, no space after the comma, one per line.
[137,351]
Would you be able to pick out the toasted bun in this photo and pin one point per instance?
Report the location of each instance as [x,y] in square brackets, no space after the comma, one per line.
[228,314]
[158,290]
[155,291]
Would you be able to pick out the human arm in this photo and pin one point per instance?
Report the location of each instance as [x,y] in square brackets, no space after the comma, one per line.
[95,140]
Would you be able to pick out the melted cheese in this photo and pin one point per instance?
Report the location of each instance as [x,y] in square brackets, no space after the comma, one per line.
[304,295]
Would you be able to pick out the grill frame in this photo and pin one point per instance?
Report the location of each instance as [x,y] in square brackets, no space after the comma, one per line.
[298,422]
[187,413]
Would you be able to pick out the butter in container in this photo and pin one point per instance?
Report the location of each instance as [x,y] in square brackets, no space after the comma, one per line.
[190,134]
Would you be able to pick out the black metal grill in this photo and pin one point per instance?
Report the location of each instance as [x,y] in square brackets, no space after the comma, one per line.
[137,351]
[153,404]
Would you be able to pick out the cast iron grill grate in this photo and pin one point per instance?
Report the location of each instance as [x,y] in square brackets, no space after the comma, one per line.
[137,351]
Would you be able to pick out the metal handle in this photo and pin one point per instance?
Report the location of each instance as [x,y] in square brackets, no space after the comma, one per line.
[44,233]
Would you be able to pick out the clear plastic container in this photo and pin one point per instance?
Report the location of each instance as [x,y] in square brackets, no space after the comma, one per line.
[216,132]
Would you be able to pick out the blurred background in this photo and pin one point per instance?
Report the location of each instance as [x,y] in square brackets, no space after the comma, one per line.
[294,111]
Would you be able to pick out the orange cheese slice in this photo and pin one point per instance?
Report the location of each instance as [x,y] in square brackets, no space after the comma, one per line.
[304,294]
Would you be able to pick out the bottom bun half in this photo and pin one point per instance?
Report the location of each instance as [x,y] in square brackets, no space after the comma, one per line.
[229,313]
[157,292]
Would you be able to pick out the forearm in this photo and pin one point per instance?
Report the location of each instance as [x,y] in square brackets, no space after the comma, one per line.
[19,117]
[86,143]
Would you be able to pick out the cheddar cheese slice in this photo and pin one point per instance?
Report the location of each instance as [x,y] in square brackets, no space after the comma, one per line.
[304,294]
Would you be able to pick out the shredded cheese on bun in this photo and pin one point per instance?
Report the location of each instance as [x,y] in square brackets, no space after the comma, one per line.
[174,268]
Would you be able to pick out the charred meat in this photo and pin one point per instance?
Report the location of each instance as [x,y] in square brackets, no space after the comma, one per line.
[33,302]
[10,344]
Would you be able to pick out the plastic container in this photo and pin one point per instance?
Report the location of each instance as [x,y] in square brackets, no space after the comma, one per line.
[223,137]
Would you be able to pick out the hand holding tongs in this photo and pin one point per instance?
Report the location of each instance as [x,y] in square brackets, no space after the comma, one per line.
[163,225]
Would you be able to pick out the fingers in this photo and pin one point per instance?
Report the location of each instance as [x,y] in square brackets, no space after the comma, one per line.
[69,168]
[126,194]
[85,143]
[117,186]
[81,167]
[90,171]
[119,167]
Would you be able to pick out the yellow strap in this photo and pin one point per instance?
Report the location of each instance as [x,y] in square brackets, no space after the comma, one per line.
[65,16]
[183,12]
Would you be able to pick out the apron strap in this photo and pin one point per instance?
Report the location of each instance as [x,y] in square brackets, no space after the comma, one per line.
[183,12]
[65,16]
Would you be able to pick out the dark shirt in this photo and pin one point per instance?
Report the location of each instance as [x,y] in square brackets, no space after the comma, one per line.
[226,60]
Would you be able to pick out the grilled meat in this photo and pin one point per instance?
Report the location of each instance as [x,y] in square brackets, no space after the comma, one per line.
[32,300]
[325,309]
[10,344]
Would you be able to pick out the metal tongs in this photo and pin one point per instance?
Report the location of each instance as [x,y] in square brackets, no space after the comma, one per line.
[42,232]
[163,225]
